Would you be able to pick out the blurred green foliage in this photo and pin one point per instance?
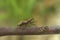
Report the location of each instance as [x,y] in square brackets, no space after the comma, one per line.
[15,10]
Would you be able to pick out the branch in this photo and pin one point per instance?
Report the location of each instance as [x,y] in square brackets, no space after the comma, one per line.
[30,31]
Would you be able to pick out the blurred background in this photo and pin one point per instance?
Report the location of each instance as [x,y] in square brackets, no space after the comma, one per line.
[44,12]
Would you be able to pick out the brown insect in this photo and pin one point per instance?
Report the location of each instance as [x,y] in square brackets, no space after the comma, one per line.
[25,23]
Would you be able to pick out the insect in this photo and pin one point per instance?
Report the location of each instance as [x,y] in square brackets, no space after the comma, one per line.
[26,23]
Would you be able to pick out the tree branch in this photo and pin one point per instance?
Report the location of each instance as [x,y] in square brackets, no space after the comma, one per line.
[30,31]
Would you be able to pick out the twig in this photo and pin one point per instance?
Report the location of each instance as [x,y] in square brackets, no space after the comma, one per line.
[30,31]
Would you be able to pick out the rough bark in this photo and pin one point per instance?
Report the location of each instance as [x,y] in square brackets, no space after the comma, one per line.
[30,31]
